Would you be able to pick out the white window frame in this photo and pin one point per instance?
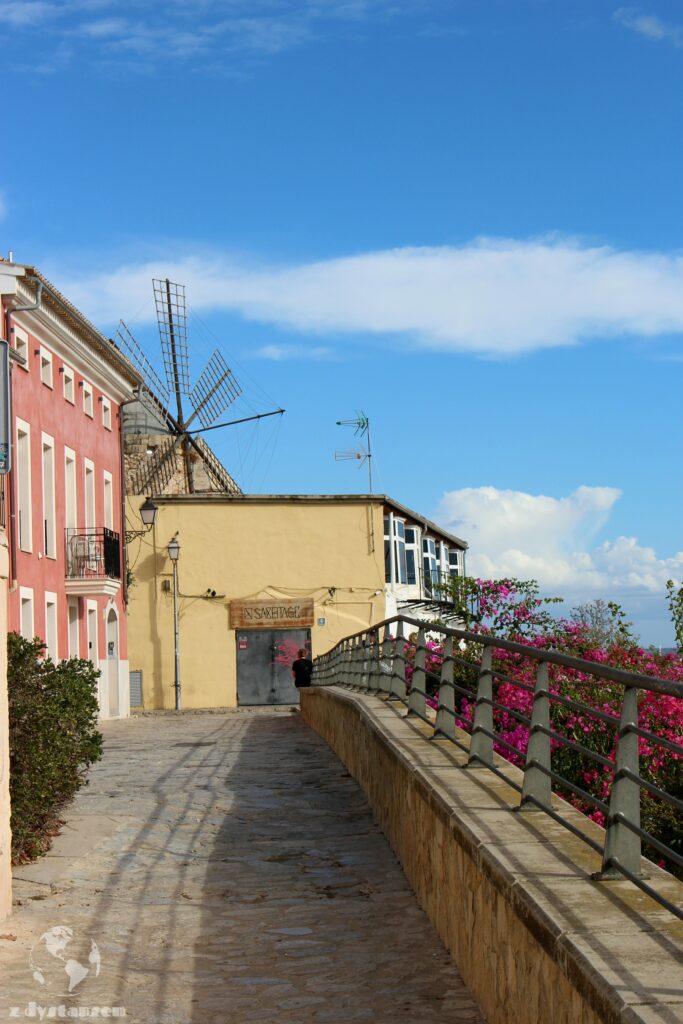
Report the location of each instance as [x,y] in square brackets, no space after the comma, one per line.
[51,626]
[106,412]
[108,479]
[456,564]
[87,398]
[26,596]
[92,607]
[70,500]
[21,345]
[89,470]
[415,547]
[49,536]
[25,532]
[73,627]
[46,367]
[69,384]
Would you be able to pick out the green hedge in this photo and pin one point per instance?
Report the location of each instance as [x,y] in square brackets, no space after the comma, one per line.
[53,739]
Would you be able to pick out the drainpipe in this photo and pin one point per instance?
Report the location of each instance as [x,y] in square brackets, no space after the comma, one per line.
[122,485]
[12,482]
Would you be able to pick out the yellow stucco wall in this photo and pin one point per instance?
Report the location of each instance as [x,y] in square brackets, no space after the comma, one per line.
[245,549]
[5,843]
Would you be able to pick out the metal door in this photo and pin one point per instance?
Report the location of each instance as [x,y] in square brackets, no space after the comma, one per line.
[264,664]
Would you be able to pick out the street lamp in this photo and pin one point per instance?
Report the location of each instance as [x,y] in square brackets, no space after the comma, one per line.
[148,514]
[173,554]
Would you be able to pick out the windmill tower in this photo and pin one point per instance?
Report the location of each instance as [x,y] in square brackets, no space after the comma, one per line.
[161,451]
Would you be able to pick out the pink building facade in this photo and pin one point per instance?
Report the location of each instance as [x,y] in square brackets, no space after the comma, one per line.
[63,496]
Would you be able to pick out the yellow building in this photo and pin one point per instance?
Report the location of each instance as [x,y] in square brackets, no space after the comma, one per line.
[259,576]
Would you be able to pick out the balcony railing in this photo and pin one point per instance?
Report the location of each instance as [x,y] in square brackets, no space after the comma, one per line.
[92,553]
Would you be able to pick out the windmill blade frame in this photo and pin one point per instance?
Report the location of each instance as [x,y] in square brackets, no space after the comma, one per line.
[216,389]
[153,393]
[152,475]
[171,307]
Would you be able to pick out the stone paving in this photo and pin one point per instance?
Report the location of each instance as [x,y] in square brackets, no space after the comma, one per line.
[228,869]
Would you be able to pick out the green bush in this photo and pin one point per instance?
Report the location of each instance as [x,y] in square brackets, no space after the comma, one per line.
[53,739]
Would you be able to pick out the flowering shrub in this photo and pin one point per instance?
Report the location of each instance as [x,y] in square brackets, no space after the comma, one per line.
[514,610]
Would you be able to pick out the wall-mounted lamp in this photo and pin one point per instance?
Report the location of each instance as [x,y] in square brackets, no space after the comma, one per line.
[148,514]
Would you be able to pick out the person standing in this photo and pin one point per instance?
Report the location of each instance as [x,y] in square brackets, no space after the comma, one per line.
[302,669]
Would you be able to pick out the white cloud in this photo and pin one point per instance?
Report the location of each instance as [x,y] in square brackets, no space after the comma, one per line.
[280,353]
[496,297]
[209,33]
[650,26]
[533,536]
[25,13]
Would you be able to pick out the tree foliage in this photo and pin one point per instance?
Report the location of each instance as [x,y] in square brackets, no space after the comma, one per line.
[675,602]
[605,623]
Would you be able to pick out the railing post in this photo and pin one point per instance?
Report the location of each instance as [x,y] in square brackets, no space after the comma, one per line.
[349,666]
[365,664]
[374,652]
[357,664]
[621,844]
[416,702]
[398,668]
[481,744]
[340,664]
[537,785]
[386,662]
[445,714]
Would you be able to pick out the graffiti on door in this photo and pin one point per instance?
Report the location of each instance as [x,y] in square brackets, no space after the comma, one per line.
[286,651]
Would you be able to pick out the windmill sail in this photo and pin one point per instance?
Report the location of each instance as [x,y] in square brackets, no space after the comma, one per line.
[215,390]
[153,393]
[172,320]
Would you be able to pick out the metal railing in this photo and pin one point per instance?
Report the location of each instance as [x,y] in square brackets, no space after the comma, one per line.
[92,553]
[375,661]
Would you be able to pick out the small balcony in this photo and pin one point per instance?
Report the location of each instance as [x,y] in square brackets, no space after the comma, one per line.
[93,562]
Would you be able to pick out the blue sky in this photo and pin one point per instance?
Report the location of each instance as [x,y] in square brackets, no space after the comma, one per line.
[462,216]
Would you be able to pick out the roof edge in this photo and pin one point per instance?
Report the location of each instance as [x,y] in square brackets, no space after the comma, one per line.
[312,499]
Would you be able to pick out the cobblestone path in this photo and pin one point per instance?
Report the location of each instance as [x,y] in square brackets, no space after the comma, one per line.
[227,869]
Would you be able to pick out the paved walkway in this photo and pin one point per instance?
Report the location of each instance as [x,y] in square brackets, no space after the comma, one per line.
[227,869]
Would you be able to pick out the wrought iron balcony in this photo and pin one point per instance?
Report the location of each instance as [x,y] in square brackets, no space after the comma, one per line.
[93,560]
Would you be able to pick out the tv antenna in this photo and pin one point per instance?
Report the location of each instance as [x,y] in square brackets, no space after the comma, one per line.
[214,391]
[361,425]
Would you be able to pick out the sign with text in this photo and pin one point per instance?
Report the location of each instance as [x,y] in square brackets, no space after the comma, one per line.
[271,614]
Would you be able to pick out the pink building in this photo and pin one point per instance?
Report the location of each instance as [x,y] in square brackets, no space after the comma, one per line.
[62,499]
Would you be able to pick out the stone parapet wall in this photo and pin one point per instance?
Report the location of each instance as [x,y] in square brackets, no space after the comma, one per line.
[535,939]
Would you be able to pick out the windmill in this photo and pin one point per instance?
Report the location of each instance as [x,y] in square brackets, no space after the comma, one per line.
[214,391]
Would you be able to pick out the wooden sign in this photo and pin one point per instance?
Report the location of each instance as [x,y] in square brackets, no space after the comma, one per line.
[271,614]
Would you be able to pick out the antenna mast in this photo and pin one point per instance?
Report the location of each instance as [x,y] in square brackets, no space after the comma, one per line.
[361,425]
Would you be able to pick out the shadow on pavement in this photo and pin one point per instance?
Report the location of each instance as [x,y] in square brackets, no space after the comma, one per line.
[237,875]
